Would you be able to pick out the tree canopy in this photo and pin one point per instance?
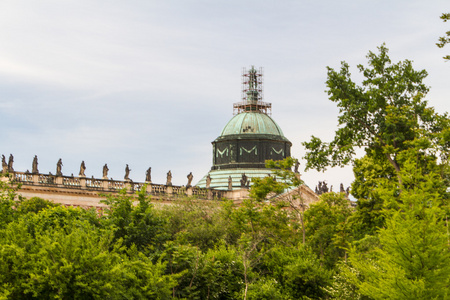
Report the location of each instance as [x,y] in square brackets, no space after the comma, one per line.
[386,114]
[444,40]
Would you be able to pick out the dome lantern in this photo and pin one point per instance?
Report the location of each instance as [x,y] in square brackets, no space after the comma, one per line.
[252,93]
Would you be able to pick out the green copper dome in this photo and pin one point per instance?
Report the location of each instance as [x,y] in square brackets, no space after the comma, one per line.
[248,140]
[252,123]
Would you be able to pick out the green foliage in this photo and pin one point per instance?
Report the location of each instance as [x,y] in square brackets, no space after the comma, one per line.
[378,190]
[412,263]
[443,40]
[78,261]
[411,260]
[383,115]
[262,187]
[9,199]
[263,223]
[342,286]
[34,205]
[218,274]
[282,170]
[387,116]
[60,217]
[327,227]
[298,272]
[369,172]
[265,289]
[136,225]
[198,223]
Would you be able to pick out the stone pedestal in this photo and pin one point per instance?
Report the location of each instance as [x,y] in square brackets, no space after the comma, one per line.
[189,191]
[35,178]
[169,190]
[59,180]
[83,182]
[149,187]
[128,185]
[105,184]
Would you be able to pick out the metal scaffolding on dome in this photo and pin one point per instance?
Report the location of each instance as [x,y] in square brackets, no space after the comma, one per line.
[252,93]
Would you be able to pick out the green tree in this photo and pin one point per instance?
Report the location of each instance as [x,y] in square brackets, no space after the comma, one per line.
[383,115]
[412,260]
[369,215]
[298,272]
[286,185]
[9,199]
[196,222]
[34,205]
[43,257]
[387,116]
[443,40]
[328,228]
[139,225]
[220,275]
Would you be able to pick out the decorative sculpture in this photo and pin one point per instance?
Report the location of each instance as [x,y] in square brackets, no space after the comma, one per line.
[34,168]
[341,188]
[244,181]
[127,173]
[230,183]
[297,164]
[82,169]
[148,175]
[208,181]
[10,163]
[189,177]
[253,82]
[59,165]
[4,164]
[169,178]
[105,171]
[322,188]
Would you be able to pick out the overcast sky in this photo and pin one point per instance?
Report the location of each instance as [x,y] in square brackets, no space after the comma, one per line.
[152,83]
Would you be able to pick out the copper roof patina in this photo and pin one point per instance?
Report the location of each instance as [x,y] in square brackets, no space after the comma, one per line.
[252,123]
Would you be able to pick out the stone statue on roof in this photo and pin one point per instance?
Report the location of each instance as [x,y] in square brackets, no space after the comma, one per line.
[105,171]
[230,183]
[322,188]
[10,163]
[208,181]
[59,165]
[189,177]
[148,175]
[4,164]
[82,169]
[253,82]
[297,164]
[169,178]
[127,173]
[34,166]
[244,181]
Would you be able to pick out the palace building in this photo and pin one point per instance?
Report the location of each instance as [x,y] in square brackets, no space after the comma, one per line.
[239,153]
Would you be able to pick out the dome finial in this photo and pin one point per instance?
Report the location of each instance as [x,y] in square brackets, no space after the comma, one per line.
[252,93]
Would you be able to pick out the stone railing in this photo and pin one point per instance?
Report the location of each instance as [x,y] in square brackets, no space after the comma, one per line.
[113,186]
